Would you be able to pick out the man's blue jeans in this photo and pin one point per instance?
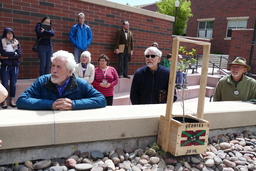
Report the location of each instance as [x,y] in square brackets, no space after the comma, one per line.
[77,53]
[12,72]
[44,55]
[181,78]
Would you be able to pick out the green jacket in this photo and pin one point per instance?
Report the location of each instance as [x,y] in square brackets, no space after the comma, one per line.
[225,89]
[166,63]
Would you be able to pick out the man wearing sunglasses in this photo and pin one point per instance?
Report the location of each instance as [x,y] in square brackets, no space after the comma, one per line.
[150,83]
[236,86]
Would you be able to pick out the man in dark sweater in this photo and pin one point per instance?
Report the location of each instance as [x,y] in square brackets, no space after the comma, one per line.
[149,81]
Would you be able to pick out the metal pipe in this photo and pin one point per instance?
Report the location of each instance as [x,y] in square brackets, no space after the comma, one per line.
[252,46]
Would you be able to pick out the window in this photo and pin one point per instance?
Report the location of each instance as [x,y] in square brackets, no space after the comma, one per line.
[205,28]
[235,24]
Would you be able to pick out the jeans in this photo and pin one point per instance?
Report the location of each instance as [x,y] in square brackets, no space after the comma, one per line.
[77,53]
[181,78]
[12,72]
[44,55]
[123,59]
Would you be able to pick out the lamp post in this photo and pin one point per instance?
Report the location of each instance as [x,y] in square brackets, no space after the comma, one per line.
[177,4]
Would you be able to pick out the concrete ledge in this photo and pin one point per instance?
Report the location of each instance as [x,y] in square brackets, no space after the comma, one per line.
[22,130]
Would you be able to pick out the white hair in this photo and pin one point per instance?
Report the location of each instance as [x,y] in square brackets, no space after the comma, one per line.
[71,63]
[80,14]
[88,55]
[153,49]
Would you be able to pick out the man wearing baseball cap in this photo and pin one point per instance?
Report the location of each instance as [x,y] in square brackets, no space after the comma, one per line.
[237,86]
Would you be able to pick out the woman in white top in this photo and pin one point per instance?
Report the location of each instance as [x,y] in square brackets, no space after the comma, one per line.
[85,69]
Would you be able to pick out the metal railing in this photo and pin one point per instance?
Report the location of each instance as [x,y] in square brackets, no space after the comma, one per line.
[213,67]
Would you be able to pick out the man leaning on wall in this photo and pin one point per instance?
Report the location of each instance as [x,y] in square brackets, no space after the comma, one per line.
[61,90]
[237,86]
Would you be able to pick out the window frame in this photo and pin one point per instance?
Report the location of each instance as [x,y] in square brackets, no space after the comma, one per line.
[237,19]
[205,20]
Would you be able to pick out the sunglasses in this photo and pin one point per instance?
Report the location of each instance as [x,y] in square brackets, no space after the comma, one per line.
[152,56]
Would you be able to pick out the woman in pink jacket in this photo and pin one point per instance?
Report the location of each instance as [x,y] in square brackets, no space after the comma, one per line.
[105,78]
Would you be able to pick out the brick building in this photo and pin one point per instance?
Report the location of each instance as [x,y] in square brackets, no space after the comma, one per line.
[229,26]
[104,17]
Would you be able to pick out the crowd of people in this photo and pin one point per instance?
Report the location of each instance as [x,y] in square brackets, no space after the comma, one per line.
[70,81]
[62,72]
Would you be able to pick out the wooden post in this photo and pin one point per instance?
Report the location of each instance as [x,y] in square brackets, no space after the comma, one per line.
[172,78]
[203,82]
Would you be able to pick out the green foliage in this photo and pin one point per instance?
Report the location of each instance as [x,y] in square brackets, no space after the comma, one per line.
[184,64]
[158,150]
[184,12]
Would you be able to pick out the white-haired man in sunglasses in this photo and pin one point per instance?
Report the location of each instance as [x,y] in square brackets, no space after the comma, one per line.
[150,82]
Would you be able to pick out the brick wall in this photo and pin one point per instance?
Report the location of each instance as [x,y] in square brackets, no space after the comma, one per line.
[220,10]
[22,16]
[240,45]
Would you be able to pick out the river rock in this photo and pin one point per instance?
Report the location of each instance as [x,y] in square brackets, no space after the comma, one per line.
[229,163]
[110,164]
[200,166]
[195,160]
[120,153]
[225,145]
[84,154]
[209,163]
[138,152]
[127,165]
[70,163]
[128,150]
[170,161]
[143,161]
[29,165]
[77,152]
[24,168]
[217,160]
[42,164]
[83,166]
[135,168]
[154,160]
[97,169]
[96,154]
[58,168]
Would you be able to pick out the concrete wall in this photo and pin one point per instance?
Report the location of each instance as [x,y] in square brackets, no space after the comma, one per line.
[23,131]
[104,17]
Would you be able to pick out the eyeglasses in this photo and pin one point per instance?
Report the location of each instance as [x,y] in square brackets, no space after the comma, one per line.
[236,66]
[152,56]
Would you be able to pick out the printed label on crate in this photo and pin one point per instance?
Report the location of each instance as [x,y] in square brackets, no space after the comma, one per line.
[193,138]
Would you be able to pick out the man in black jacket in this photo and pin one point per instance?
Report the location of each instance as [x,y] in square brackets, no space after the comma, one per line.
[151,80]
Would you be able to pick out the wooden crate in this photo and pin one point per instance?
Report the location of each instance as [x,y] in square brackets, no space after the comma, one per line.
[175,136]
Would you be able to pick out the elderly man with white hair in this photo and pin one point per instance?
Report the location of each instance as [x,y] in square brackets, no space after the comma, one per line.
[150,83]
[61,90]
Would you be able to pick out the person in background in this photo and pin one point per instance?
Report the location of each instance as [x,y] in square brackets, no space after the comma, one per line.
[236,86]
[105,79]
[167,62]
[3,93]
[44,32]
[80,36]
[61,90]
[10,53]
[154,44]
[149,81]
[85,69]
[181,75]
[124,49]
